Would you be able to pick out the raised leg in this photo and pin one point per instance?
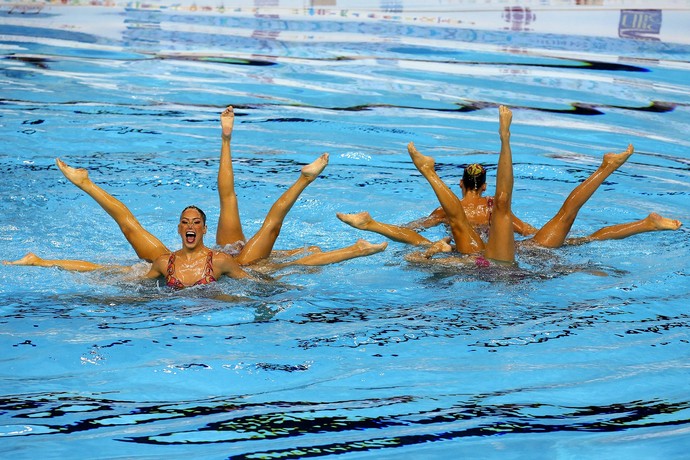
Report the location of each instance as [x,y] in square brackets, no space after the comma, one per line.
[501,244]
[292,252]
[147,246]
[229,225]
[364,221]
[360,249]
[261,244]
[31,259]
[467,240]
[554,232]
[652,223]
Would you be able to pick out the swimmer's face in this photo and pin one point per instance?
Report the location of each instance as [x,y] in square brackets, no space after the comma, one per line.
[191,228]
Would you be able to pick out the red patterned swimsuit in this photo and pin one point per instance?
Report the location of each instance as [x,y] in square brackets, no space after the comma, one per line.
[174,283]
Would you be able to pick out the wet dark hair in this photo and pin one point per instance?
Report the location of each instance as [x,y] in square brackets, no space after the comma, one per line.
[474,176]
[203,214]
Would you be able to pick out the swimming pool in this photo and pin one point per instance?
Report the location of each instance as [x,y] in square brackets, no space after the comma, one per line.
[580,352]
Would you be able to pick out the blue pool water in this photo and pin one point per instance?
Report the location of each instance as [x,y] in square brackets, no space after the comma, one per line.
[580,352]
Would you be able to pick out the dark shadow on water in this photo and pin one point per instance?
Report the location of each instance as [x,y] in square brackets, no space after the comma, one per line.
[247,428]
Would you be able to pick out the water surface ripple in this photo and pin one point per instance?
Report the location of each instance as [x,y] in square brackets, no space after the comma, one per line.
[576,352]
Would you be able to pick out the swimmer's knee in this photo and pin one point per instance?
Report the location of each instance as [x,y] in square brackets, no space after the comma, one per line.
[271,229]
[502,202]
[132,229]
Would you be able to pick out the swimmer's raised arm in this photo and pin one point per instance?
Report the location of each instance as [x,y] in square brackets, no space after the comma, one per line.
[438,217]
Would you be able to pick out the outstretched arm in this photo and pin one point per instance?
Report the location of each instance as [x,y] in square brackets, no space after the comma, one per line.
[223,264]
[158,267]
[437,217]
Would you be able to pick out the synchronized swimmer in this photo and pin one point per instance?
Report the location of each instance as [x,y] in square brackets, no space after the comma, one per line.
[467,216]
[482,228]
[195,263]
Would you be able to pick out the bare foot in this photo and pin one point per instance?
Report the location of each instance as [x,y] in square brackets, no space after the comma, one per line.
[29,259]
[439,246]
[78,176]
[662,223]
[368,248]
[359,220]
[422,162]
[313,169]
[505,117]
[615,160]
[227,120]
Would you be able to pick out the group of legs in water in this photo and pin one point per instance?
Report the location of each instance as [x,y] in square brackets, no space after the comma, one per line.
[195,263]
[466,217]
